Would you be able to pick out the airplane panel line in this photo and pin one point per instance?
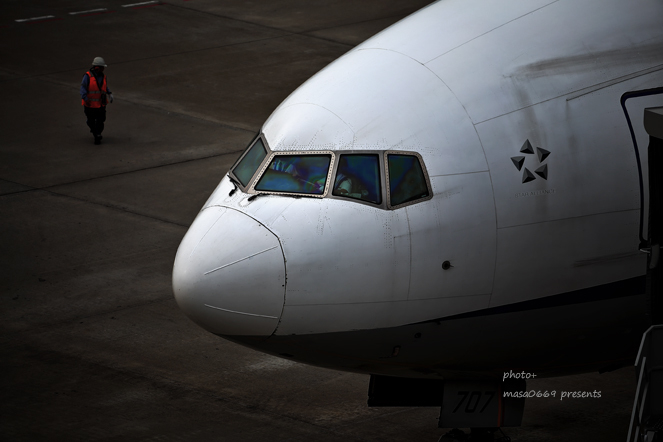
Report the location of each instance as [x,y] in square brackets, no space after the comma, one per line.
[460,173]
[618,289]
[568,218]
[208,230]
[614,81]
[400,301]
[639,74]
[241,313]
[239,260]
[488,32]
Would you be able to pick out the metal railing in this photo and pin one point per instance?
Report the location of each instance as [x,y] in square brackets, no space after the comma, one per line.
[647,416]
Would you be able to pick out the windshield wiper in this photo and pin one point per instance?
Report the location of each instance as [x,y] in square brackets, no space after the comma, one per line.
[235,183]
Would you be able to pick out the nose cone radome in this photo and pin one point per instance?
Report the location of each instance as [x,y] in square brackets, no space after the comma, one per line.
[229,274]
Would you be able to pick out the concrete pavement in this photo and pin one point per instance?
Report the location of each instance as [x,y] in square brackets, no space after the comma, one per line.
[92,344]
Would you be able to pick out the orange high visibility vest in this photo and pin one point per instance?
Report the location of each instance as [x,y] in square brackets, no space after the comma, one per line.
[94,93]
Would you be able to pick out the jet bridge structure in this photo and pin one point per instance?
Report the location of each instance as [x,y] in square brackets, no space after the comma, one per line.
[647,416]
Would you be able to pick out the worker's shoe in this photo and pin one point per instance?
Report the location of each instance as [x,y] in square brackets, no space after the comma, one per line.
[97,139]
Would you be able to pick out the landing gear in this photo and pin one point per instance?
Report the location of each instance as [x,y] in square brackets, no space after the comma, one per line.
[476,435]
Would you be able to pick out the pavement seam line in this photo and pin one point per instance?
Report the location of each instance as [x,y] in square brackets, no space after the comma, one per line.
[271,28]
[185,115]
[165,382]
[46,188]
[158,108]
[173,383]
[360,22]
[29,188]
[118,208]
[123,99]
[64,322]
[305,33]
[81,69]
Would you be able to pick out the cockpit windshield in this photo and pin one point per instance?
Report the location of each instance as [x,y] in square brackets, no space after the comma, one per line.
[358,177]
[388,179]
[305,174]
[407,181]
[250,162]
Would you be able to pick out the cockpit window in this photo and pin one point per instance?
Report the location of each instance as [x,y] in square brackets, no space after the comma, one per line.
[358,177]
[250,163]
[406,179]
[296,174]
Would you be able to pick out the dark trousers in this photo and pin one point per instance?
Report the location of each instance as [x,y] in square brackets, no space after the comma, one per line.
[95,119]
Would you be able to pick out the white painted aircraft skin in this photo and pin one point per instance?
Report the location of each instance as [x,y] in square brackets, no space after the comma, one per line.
[546,275]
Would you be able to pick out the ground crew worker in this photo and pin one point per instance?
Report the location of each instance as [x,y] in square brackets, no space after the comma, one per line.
[94,96]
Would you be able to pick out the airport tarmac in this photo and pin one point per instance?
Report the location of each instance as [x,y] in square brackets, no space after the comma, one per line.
[92,344]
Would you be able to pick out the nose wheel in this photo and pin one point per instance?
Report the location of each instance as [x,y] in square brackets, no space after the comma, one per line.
[475,435]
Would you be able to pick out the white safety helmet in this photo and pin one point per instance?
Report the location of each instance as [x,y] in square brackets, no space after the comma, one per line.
[98,61]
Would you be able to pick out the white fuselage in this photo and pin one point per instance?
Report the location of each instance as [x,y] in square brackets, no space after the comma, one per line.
[544,265]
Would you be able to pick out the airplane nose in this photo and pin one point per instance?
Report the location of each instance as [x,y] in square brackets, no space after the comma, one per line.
[229,274]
